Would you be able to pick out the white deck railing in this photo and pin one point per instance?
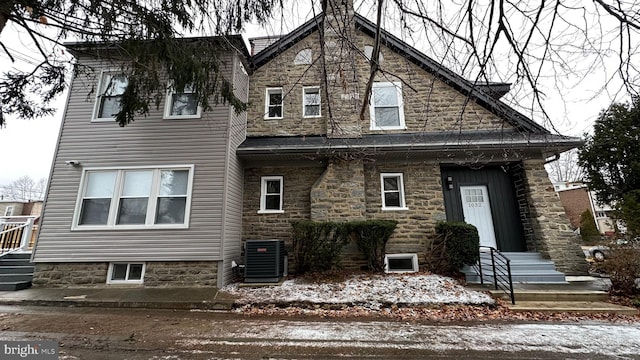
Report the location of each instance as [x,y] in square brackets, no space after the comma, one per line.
[16,234]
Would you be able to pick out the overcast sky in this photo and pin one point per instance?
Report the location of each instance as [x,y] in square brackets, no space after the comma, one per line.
[27,146]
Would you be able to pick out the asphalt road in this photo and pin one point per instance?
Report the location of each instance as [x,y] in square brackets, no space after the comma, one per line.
[96,333]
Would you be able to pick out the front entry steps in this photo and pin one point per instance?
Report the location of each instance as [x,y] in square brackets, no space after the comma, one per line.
[526,267]
[16,272]
[563,299]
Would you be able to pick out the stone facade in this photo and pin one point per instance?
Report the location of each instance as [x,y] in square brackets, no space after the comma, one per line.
[157,274]
[339,193]
[348,188]
[429,104]
[347,191]
[297,182]
[551,226]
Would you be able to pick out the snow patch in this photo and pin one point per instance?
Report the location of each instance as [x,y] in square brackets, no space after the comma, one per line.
[372,291]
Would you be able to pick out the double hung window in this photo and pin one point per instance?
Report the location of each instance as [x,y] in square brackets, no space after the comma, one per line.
[386,107]
[273,104]
[392,191]
[181,105]
[271,194]
[109,100]
[311,101]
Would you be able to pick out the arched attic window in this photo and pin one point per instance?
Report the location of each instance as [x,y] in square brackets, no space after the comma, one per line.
[303,57]
[368,50]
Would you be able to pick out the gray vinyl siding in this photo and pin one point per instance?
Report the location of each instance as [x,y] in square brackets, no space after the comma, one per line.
[149,141]
[232,234]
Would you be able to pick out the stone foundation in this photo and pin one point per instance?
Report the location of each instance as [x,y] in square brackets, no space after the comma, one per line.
[157,274]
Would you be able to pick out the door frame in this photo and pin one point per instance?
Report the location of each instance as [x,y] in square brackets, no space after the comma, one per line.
[505,211]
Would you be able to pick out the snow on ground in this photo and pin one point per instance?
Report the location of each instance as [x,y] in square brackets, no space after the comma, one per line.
[372,291]
[621,341]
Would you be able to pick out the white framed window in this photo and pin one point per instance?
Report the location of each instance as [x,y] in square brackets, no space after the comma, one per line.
[109,95]
[271,194]
[125,273]
[273,103]
[401,263]
[392,185]
[311,101]
[8,211]
[134,197]
[386,106]
[183,105]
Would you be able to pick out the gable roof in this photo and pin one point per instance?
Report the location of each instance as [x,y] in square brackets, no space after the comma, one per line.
[486,95]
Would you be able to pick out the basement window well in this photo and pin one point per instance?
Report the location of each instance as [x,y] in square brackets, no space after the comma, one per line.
[400,263]
[125,273]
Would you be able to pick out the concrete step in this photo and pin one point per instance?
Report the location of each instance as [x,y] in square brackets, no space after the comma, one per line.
[522,255]
[16,272]
[526,267]
[13,262]
[575,307]
[561,295]
[523,276]
[14,285]
[16,277]
[21,256]
[17,269]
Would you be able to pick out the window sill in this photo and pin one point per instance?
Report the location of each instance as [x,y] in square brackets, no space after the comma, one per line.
[311,116]
[388,128]
[99,120]
[274,118]
[127,227]
[125,282]
[180,117]
[270,211]
[395,208]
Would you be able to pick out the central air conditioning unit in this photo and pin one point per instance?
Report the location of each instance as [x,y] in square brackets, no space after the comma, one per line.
[265,261]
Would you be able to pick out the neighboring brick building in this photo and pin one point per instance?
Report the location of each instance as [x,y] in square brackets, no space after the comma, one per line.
[576,199]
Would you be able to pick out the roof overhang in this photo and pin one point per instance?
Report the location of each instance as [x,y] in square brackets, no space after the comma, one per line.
[416,145]
[113,49]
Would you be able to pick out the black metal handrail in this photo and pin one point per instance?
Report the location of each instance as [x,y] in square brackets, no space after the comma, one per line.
[500,270]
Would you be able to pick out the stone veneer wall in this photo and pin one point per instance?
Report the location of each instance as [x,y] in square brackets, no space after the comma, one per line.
[338,195]
[424,200]
[429,104]
[522,192]
[340,65]
[157,274]
[298,182]
[550,224]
